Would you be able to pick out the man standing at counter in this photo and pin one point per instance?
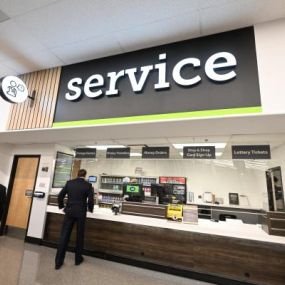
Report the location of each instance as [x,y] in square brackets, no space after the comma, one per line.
[78,191]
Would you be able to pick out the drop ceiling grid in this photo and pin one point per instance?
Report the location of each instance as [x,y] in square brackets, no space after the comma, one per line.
[51,32]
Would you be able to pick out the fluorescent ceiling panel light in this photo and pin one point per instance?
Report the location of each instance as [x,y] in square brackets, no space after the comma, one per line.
[135,154]
[104,147]
[217,145]
[224,163]
[256,165]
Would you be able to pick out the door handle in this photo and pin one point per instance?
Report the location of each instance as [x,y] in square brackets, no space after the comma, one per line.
[29,193]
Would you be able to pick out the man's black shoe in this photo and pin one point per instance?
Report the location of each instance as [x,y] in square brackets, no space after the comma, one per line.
[78,262]
[57,266]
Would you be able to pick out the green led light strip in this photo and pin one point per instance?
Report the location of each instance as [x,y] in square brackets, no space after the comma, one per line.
[158,117]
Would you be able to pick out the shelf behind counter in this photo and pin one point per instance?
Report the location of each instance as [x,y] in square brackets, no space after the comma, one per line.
[248,215]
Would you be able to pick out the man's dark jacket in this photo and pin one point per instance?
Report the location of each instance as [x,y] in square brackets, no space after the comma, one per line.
[78,191]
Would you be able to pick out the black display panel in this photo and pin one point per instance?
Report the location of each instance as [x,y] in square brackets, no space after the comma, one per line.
[241,91]
[155,152]
[251,152]
[199,152]
[85,153]
[62,170]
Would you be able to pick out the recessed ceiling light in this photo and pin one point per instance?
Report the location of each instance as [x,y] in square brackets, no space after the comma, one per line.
[216,145]
[135,154]
[104,147]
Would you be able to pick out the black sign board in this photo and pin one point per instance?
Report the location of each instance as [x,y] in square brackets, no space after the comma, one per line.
[172,79]
[85,153]
[118,152]
[155,152]
[251,152]
[199,152]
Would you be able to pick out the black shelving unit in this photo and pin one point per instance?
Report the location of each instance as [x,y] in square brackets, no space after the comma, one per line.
[111,187]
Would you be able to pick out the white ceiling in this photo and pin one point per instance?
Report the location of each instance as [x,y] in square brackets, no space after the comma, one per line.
[236,129]
[41,34]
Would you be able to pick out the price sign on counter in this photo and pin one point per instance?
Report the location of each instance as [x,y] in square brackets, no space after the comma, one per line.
[190,214]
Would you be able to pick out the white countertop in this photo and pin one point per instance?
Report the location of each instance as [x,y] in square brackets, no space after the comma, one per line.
[230,228]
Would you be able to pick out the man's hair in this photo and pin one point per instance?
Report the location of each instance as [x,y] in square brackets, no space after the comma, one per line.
[82,173]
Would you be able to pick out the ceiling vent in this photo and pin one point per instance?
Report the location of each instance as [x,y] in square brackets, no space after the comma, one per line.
[3,17]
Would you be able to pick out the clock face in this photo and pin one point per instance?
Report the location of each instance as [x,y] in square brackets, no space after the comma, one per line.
[13,89]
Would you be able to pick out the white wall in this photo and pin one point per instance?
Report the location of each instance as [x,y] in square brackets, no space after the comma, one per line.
[270,47]
[202,176]
[5,164]
[38,210]
[4,114]
[43,182]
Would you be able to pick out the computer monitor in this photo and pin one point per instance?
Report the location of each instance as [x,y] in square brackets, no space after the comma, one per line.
[134,192]
[161,189]
[92,179]
[165,193]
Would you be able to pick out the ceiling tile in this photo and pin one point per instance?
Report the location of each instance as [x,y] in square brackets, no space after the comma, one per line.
[137,12]
[87,50]
[239,14]
[96,18]
[32,61]
[4,70]
[15,41]
[68,21]
[17,7]
[161,32]
[258,11]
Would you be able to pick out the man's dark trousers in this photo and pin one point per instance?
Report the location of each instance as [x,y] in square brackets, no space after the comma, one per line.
[78,191]
[68,223]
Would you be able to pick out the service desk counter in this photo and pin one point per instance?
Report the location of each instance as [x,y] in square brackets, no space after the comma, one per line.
[218,250]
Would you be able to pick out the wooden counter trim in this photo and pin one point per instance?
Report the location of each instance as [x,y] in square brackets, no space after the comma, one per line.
[242,260]
[274,223]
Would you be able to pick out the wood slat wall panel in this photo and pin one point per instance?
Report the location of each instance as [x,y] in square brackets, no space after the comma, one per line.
[33,115]
[54,97]
[40,115]
[26,104]
[20,114]
[53,74]
[30,82]
[49,76]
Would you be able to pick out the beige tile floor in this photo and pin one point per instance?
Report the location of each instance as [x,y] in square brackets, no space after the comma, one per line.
[25,264]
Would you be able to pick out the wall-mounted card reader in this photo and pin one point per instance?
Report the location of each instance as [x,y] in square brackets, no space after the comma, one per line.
[39,194]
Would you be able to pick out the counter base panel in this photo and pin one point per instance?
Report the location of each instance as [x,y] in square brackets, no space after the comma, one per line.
[222,258]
